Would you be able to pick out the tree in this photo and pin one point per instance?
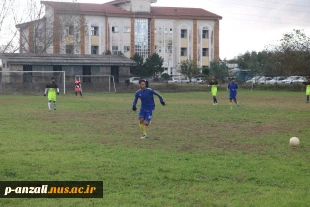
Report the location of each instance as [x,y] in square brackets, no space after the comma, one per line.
[188,68]
[154,64]
[165,76]
[218,69]
[139,68]
[292,55]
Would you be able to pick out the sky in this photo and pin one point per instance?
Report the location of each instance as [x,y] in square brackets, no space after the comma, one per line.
[247,25]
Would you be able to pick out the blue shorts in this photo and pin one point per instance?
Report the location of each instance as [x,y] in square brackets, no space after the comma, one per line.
[146,114]
[233,96]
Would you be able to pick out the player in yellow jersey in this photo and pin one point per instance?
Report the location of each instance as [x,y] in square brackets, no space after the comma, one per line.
[213,83]
[307,84]
[51,89]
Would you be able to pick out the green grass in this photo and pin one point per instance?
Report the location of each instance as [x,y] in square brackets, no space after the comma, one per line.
[197,154]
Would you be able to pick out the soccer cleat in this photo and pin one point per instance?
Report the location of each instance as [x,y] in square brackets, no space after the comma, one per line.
[230,109]
[49,110]
[55,109]
[144,136]
[238,106]
[214,104]
[307,101]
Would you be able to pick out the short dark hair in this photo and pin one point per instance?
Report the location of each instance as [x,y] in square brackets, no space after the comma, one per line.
[140,81]
[53,78]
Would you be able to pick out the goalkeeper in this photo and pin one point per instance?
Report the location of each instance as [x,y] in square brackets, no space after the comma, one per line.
[51,89]
[146,96]
[213,83]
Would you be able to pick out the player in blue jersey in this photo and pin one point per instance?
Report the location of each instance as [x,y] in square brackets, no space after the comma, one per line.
[232,88]
[146,96]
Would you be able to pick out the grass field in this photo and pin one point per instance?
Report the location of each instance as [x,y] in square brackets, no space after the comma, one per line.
[197,154]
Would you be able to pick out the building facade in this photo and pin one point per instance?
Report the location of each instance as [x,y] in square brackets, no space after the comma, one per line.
[127,27]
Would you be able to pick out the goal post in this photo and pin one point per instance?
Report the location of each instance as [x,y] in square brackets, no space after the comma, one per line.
[25,81]
[97,82]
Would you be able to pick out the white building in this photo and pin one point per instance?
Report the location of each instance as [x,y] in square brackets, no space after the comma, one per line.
[128,26]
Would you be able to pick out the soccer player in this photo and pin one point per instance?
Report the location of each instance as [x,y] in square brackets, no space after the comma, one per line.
[146,96]
[78,87]
[51,89]
[213,83]
[232,88]
[307,84]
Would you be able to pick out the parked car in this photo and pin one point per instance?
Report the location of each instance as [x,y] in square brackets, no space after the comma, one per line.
[185,80]
[290,79]
[134,80]
[174,80]
[254,79]
[265,80]
[277,80]
[299,80]
[199,80]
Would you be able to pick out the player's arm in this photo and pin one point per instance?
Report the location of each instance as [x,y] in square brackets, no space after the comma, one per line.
[57,89]
[228,86]
[45,91]
[134,103]
[160,97]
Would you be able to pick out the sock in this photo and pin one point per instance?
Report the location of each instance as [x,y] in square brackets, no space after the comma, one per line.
[230,105]
[49,105]
[54,105]
[215,100]
[308,98]
[75,93]
[143,129]
[237,104]
[80,93]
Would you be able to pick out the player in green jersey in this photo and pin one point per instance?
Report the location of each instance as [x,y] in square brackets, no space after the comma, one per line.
[51,89]
[307,84]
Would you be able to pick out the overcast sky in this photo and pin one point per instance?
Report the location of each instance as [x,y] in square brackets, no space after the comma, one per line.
[247,25]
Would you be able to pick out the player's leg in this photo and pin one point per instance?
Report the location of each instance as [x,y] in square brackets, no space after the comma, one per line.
[141,123]
[148,118]
[75,93]
[307,94]
[49,105]
[230,101]
[235,100]
[307,99]
[214,92]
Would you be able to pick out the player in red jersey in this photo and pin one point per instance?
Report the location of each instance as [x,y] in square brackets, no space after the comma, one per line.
[78,87]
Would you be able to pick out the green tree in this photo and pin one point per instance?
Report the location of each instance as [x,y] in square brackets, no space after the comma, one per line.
[219,70]
[188,68]
[139,68]
[154,64]
[165,76]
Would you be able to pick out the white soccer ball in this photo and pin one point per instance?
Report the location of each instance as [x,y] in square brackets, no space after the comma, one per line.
[294,141]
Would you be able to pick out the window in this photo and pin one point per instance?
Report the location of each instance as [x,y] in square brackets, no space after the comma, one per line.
[183,33]
[142,37]
[183,51]
[114,48]
[39,49]
[170,49]
[205,51]
[94,31]
[166,30]
[70,30]
[69,49]
[170,30]
[126,29]
[126,48]
[205,34]
[155,31]
[115,29]
[94,50]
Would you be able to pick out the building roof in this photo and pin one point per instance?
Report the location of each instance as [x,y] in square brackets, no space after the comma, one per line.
[110,9]
[26,24]
[66,59]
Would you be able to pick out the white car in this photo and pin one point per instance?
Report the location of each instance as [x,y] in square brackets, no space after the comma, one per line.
[290,79]
[265,80]
[134,80]
[299,80]
[254,79]
[174,80]
[277,80]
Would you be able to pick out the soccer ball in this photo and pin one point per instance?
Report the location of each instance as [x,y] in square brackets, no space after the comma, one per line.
[294,141]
